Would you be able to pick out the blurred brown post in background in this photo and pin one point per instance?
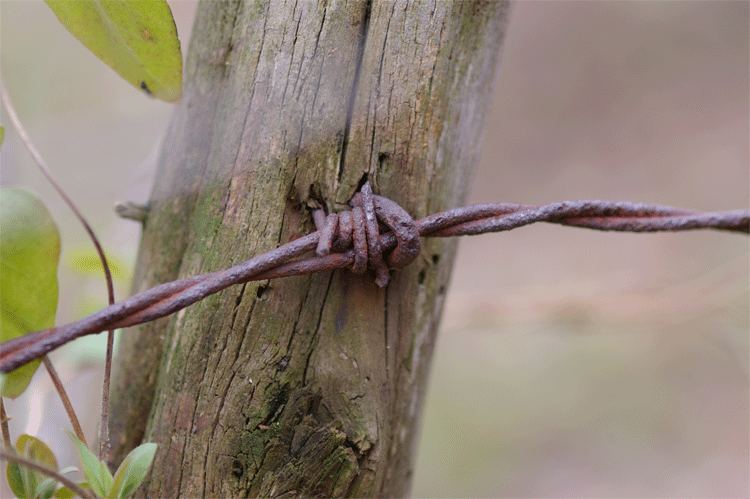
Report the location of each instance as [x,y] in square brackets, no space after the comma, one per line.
[311,385]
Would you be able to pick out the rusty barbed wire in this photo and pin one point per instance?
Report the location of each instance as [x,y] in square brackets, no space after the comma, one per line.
[352,239]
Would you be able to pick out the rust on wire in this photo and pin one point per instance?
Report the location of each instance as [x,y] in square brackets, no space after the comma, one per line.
[359,237]
[352,239]
[372,229]
[327,233]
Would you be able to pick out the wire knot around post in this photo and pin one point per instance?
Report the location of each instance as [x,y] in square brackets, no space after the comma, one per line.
[359,229]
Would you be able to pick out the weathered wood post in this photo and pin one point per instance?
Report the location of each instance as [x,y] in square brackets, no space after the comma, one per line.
[309,385]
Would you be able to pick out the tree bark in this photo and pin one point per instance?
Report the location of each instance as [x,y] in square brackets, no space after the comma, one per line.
[309,385]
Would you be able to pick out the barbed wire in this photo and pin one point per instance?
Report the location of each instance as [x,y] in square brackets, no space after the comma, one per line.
[352,239]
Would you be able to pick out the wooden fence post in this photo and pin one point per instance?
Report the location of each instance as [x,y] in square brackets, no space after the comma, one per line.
[309,385]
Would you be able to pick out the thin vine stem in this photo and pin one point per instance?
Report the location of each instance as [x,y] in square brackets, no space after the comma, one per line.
[104,444]
[63,394]
[14,457]
[7,443]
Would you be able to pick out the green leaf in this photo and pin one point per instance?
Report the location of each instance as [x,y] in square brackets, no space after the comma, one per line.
[29,255]
[68,469]
[23,481]
[2,134]
[15,480]
[97,473]
[132,471]
[137,38]
[45,489]
[85,261]
[66,493]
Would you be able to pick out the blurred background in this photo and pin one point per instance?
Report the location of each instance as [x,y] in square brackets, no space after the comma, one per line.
[579,363]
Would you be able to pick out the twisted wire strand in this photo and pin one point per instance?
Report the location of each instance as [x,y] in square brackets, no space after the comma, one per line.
[352,239]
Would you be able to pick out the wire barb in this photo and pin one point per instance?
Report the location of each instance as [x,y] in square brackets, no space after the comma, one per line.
[352,239]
